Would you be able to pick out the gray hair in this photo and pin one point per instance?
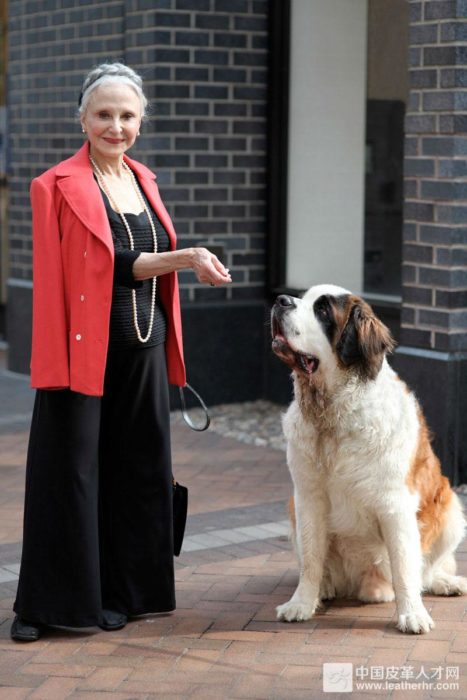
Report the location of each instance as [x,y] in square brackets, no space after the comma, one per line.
[111,73]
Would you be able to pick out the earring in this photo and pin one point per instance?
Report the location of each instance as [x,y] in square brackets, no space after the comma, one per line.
[83,130]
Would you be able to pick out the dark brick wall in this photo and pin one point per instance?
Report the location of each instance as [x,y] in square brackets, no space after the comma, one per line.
[432,357]
[435,232]
[205,68]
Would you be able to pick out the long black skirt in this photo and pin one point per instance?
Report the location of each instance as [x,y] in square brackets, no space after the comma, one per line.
[98,528]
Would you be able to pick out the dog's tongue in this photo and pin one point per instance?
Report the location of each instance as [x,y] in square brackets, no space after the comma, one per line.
[308,363]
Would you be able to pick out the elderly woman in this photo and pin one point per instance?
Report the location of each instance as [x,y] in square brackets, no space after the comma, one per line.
[98,535]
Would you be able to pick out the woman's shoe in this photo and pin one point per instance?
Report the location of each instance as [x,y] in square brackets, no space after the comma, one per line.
[112,620]
[23,631]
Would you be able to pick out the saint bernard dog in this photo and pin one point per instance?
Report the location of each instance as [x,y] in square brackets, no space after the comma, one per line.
[372,516]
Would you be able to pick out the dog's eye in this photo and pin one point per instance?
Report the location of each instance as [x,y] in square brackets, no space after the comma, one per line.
[323,312]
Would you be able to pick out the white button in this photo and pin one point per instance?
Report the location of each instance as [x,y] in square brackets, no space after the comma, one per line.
[82,297]
[85,253]
[78,337]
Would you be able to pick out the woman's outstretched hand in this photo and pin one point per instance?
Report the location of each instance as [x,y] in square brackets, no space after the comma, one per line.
[208,268]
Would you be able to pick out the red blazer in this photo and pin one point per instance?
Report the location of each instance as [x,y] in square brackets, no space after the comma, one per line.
[73,265]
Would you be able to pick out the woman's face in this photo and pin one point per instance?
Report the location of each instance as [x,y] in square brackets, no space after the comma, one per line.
[112,120]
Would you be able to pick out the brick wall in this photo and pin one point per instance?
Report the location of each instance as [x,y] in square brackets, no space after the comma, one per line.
[432,355]
[435,234]
[205,68]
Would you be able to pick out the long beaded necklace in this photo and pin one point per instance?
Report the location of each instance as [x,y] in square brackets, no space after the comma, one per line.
[103,184]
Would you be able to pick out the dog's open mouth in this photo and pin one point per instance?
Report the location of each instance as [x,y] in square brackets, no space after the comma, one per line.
[296,360]
[309,363]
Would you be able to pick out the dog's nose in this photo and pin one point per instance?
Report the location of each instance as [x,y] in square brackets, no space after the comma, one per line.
[285,300]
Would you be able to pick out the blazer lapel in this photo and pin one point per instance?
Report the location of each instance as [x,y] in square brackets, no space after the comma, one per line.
[76,182]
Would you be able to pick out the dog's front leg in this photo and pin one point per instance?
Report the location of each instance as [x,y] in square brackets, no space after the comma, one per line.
[402,538]
[311,543]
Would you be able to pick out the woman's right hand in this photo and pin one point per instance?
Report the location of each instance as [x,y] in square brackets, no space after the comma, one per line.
[208,268]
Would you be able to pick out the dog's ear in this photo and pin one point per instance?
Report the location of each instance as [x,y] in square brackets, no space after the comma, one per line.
[364,340]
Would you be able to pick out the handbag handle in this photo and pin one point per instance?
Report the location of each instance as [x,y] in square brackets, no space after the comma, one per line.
[186,417]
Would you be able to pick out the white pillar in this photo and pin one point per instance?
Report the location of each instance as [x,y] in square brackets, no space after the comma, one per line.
[326,167]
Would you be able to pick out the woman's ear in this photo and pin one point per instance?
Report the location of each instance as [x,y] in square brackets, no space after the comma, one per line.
[364,341]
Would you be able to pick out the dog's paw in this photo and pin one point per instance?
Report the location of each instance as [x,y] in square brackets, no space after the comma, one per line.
[295,611]
[415,622]
[327,590]
[449,585]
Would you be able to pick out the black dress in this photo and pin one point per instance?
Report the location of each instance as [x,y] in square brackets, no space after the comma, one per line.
[98,504]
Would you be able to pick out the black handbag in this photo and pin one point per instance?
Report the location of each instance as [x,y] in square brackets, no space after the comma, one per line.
[180,493]
[180,510]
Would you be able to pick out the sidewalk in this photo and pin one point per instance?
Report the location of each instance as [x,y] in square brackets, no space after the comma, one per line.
[223,641]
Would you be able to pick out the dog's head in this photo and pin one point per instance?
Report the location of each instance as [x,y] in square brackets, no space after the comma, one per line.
[327,331]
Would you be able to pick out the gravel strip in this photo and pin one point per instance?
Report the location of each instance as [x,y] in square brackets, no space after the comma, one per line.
[252,422]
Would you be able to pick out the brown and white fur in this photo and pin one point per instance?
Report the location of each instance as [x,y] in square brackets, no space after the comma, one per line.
[372,515]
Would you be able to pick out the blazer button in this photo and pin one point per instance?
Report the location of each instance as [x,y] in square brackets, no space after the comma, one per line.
[85,253]
[78,336]
[82,297]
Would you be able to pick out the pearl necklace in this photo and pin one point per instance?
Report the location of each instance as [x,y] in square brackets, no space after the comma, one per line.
[103,184]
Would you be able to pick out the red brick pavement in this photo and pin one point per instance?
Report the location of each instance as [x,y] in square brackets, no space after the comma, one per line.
[223,641]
